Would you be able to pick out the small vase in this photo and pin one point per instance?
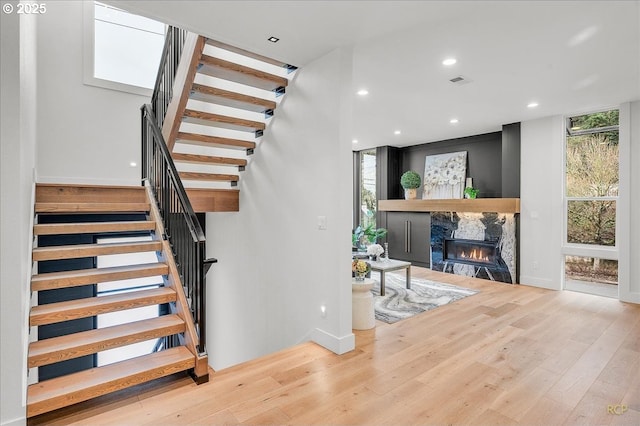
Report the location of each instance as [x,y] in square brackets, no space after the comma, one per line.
[360,276]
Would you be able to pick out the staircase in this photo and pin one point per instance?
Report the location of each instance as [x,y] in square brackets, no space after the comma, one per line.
[222,98]
[61,201]
[211,104]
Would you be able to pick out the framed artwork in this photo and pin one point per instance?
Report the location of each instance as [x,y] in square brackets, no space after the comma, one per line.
[444,175]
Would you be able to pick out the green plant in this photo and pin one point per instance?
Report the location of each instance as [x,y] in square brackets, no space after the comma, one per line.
[410,180]
[471,192]
[370,233]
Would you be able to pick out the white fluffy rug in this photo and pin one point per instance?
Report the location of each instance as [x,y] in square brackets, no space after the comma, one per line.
[398,303]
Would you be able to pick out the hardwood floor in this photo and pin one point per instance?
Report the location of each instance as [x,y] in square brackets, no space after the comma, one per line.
[510,355]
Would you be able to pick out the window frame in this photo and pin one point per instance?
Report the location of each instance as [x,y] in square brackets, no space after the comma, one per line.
[580,249]
[89,54]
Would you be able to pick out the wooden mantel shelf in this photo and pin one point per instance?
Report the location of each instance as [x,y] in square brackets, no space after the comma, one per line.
[479,205]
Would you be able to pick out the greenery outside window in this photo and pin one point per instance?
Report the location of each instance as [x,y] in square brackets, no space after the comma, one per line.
[367,202]
[591,195]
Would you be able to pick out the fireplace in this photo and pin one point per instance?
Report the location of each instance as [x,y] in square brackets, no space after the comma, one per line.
[480,245]
[471,252]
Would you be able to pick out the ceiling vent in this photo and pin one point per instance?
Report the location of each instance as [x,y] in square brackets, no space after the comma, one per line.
[460,80]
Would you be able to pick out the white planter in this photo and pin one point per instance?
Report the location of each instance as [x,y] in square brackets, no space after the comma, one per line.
[410,193]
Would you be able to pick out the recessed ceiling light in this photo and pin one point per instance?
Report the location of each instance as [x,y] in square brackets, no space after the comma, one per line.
[133,164]
[363,92]
[532,105]
[449,61]
[397,132]
[273,39]
[453,121]
[354,141]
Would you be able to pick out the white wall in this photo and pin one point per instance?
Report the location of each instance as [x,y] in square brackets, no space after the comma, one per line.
[632,294]
[87,134]
[275,267]
[18,140]
[541,202]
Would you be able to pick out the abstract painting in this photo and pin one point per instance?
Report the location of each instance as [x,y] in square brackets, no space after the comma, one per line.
[444,175]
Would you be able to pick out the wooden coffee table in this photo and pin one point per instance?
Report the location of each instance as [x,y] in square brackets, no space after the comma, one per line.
[384,266]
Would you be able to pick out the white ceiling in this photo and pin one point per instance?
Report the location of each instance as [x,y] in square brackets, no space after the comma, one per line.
[570,57]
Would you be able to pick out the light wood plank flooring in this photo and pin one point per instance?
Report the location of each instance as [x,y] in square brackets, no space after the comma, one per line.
[510,355]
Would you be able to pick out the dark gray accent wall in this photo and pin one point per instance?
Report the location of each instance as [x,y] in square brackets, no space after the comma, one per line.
[484,160]
[511,160]
[388,172]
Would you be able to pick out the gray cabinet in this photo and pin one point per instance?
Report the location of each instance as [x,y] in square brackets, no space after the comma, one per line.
[409,237]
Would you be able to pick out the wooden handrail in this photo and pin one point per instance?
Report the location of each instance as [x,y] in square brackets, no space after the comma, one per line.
[192,340]
[184,77]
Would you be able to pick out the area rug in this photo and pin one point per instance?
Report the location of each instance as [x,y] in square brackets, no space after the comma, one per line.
[400,303]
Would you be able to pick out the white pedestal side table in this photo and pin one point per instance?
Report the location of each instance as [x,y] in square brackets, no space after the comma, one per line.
[362,313]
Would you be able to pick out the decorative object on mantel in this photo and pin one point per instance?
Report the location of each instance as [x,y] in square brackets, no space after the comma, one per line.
[471,192]
[360,269]
[444,175]
[400,303]
[374,251]
[410,181]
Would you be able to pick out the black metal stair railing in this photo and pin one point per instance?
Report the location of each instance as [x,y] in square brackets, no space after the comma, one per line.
[181,225]
[163,90]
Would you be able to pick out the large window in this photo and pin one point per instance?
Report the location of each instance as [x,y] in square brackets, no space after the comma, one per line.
[591,193]
[122,50]
[368,188]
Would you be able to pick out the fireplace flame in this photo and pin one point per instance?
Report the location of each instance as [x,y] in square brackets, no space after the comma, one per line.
[475,255]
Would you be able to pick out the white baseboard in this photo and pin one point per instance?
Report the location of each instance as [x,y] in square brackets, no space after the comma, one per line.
[539,282]
[21,421]
[338,345]
[631,297]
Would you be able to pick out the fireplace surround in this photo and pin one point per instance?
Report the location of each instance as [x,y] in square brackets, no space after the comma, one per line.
[481,245]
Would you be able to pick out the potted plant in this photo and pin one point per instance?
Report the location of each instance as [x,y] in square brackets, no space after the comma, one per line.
[410,181]
[471,192]
[369,234]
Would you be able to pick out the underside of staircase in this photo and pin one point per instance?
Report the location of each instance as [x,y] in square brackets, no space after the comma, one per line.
[117,204]
[223,98]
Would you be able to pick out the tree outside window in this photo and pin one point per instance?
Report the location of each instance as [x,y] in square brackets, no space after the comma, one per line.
[592,181]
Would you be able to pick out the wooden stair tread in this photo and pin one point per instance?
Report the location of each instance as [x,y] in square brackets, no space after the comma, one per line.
[51,280]
[55,207]
[92,227]
[62,391]
[228,47]
[217,96]
[205,200]
[222,121]
[208,159]
[230,71]
[56,349]
[214,141]
[92,306]
[90,250]
[208,176]
[80,193]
